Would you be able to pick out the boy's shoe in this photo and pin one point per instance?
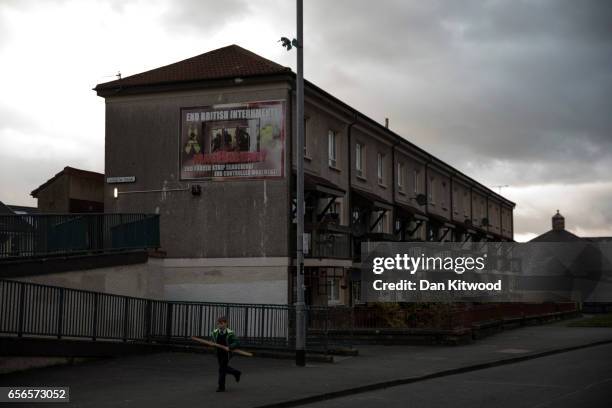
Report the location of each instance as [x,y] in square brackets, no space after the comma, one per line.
[220,389]
[237,376]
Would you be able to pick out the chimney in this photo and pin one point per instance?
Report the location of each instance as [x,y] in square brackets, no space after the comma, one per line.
[387,123]
[558,222]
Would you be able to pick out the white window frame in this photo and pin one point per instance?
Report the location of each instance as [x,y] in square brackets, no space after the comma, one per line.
[332,148]
[380,168]
[400,176]
[359,162]
[331,284]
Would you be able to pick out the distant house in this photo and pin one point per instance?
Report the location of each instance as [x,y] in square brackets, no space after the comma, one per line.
[13,230]
[71,191]
[592,267]
[23,210]
[558,233]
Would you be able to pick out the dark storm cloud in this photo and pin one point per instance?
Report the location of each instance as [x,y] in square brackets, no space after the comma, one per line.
[528,83]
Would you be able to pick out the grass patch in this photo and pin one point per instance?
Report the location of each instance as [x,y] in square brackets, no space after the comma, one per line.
[604,320]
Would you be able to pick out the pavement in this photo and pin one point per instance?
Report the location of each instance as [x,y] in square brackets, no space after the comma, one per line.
[186,379]
[578,379]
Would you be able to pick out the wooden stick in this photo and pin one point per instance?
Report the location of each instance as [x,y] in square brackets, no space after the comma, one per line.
[222,347]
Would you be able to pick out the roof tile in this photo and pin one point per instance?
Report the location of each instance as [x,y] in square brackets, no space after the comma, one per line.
[227,62]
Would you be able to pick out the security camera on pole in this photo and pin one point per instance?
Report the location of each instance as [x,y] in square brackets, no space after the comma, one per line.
[300,324]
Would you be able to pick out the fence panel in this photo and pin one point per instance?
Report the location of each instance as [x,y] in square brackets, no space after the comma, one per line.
[64,234]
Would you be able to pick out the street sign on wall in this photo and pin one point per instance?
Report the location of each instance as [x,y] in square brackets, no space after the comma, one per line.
[122,179]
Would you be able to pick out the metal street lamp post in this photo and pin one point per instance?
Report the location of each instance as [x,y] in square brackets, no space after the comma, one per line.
[300,323]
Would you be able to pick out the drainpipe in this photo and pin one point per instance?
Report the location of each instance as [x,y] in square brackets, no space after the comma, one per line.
[349,204]
[393,180]
[452,208]
[427,163]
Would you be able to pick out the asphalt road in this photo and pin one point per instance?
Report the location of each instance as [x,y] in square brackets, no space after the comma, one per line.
[581,378]
[178,379]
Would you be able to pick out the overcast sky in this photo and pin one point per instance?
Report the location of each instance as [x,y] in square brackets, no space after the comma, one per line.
[511,92]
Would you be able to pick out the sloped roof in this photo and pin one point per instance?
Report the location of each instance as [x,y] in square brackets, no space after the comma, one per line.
[227,62]
[73,172]
[557,236]
[5,210]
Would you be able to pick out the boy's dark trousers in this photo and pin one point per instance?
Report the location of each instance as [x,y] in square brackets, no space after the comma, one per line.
[224,368]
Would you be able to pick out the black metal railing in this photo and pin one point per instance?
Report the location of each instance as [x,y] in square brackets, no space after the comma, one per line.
[29,309]
[23,236]
[329,244]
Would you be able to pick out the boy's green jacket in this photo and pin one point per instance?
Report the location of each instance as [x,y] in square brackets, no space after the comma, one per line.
[232,341]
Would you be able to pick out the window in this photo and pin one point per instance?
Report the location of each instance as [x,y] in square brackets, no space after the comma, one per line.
[381,226]
[333,290]
[400,176]
[381,158]
[431,191]
[356,286]
[359,153]
[335,211]
[331,141]
[416,182]
[443,196]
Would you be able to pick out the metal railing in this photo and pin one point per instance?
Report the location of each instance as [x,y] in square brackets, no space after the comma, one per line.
[329,244]
[23,236]
[29,309]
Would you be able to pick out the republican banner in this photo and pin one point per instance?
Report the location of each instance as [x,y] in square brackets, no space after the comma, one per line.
[245,140]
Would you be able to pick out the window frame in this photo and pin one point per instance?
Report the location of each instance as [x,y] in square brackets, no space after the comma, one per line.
[432,199]
[400,176]
[359,159]
[333,284]
[332,148]
[380,173]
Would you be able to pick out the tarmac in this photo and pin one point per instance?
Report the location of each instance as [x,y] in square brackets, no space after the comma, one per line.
[189,379]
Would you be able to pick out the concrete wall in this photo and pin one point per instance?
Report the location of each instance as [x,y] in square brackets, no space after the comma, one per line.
[412,185]
[319,122]
[507,227]
[479,207]
[240,280]
[237,218]
[374,144]
[461,201]
[438,192]
[140,280]
[494,216]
